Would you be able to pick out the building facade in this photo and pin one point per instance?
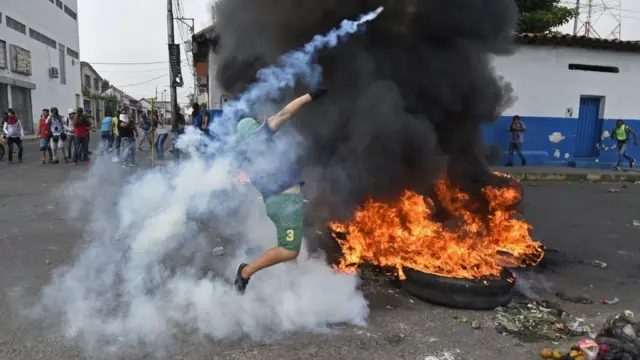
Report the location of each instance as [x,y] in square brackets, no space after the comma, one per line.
[92,91]
[206,65]
[570,92]
[39,57]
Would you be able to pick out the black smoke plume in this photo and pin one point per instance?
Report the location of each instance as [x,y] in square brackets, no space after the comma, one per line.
[407,96]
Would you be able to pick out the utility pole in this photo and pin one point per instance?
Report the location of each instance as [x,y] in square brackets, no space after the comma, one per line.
[576,18]
[172,84]
[192,31]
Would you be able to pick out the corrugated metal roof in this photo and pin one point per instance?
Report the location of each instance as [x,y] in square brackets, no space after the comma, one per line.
[578,41]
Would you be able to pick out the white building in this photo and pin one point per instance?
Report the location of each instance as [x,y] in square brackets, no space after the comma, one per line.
[570,91]
[92,90]
[39,57]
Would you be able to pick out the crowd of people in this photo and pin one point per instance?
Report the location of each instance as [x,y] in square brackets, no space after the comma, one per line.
[68,138]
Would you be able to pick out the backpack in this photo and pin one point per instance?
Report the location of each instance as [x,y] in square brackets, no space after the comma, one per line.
[106,124]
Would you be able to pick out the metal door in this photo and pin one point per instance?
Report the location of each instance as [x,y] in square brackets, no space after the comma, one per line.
[589,127]
[4,99]
[21,104]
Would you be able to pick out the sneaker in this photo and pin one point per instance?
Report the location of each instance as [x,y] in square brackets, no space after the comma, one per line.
[524,162]
[75,163]
[66,161]
[240,283]
[617,167]
[114,159]
[43,161]
[632,163]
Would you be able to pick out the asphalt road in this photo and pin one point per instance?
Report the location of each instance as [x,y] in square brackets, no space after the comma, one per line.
[584,222]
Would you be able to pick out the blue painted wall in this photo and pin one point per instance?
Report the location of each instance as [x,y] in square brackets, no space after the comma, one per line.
[540,150]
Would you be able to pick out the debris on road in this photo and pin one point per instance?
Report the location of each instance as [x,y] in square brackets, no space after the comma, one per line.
[636,223]
[629,314]
[619,338]
[600,264]
[614,190]
[611,302]
[536,321]
[460,319]
[475,324]
[579,299]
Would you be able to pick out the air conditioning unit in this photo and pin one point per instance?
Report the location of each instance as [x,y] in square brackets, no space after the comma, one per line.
[54,73]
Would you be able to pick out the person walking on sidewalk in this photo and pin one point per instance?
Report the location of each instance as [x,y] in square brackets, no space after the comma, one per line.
[58,136]
[15,133]
[80,133]
[279,185]
[621,134]
[115,136]
[68,129]
[517,129]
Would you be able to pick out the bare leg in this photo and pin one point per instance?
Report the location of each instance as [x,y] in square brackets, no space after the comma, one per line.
[273,256]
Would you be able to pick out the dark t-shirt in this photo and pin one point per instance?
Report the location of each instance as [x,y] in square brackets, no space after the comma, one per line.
[271,169]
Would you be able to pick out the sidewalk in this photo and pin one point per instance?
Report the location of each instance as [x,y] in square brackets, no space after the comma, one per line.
[566,173]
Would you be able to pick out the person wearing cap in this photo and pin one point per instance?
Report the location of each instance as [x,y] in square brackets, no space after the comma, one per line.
[276,176]
[14,131]
[68,130]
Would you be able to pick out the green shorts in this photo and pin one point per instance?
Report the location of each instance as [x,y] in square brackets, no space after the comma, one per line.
[285,210]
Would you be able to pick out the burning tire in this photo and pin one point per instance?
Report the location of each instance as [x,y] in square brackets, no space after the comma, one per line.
[460,293]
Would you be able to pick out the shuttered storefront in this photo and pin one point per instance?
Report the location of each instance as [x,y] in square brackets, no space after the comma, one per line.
[21,104]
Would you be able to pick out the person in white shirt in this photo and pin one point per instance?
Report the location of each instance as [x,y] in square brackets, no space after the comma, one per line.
[15,133]
[58,136]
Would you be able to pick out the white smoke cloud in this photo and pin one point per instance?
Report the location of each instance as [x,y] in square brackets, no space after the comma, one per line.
[136,282]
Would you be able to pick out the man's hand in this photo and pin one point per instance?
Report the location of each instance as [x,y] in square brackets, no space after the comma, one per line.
[315,95]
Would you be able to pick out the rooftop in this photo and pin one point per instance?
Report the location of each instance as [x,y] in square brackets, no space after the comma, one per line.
[577,41]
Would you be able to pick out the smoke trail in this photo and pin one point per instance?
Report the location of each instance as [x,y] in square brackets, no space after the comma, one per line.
[135,284]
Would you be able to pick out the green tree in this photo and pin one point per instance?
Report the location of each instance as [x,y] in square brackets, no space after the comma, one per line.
[191,98]
[543,16]
[105,85]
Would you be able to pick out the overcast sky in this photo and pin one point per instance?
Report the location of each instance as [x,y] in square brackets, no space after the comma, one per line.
[135,31]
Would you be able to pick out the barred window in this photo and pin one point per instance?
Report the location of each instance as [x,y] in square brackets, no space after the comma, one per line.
[16,25]
[74,54]
[34,34]
[72,14]
[3,54]
[59,4]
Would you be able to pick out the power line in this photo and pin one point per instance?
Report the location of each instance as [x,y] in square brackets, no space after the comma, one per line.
[144,82]
[132,71]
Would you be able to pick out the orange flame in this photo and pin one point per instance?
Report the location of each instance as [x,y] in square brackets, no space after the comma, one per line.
[404,234]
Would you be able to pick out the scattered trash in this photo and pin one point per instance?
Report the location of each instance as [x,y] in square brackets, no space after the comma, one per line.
[461,319]
[611,302]
[218,251]
[614,190]
[580,299]
[636,222]
[629,314]
[47,262]
[619,338]
[599,264]
[475,324]
[538,321]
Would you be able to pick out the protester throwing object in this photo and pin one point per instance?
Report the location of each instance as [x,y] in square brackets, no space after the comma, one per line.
[279,181]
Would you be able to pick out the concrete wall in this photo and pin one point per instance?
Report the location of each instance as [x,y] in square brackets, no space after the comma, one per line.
[41,15]
[549,101]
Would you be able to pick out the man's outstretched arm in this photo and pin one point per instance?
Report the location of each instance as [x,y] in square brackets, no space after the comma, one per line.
[276,121]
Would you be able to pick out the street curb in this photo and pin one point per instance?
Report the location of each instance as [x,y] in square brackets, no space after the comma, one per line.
[587,177]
